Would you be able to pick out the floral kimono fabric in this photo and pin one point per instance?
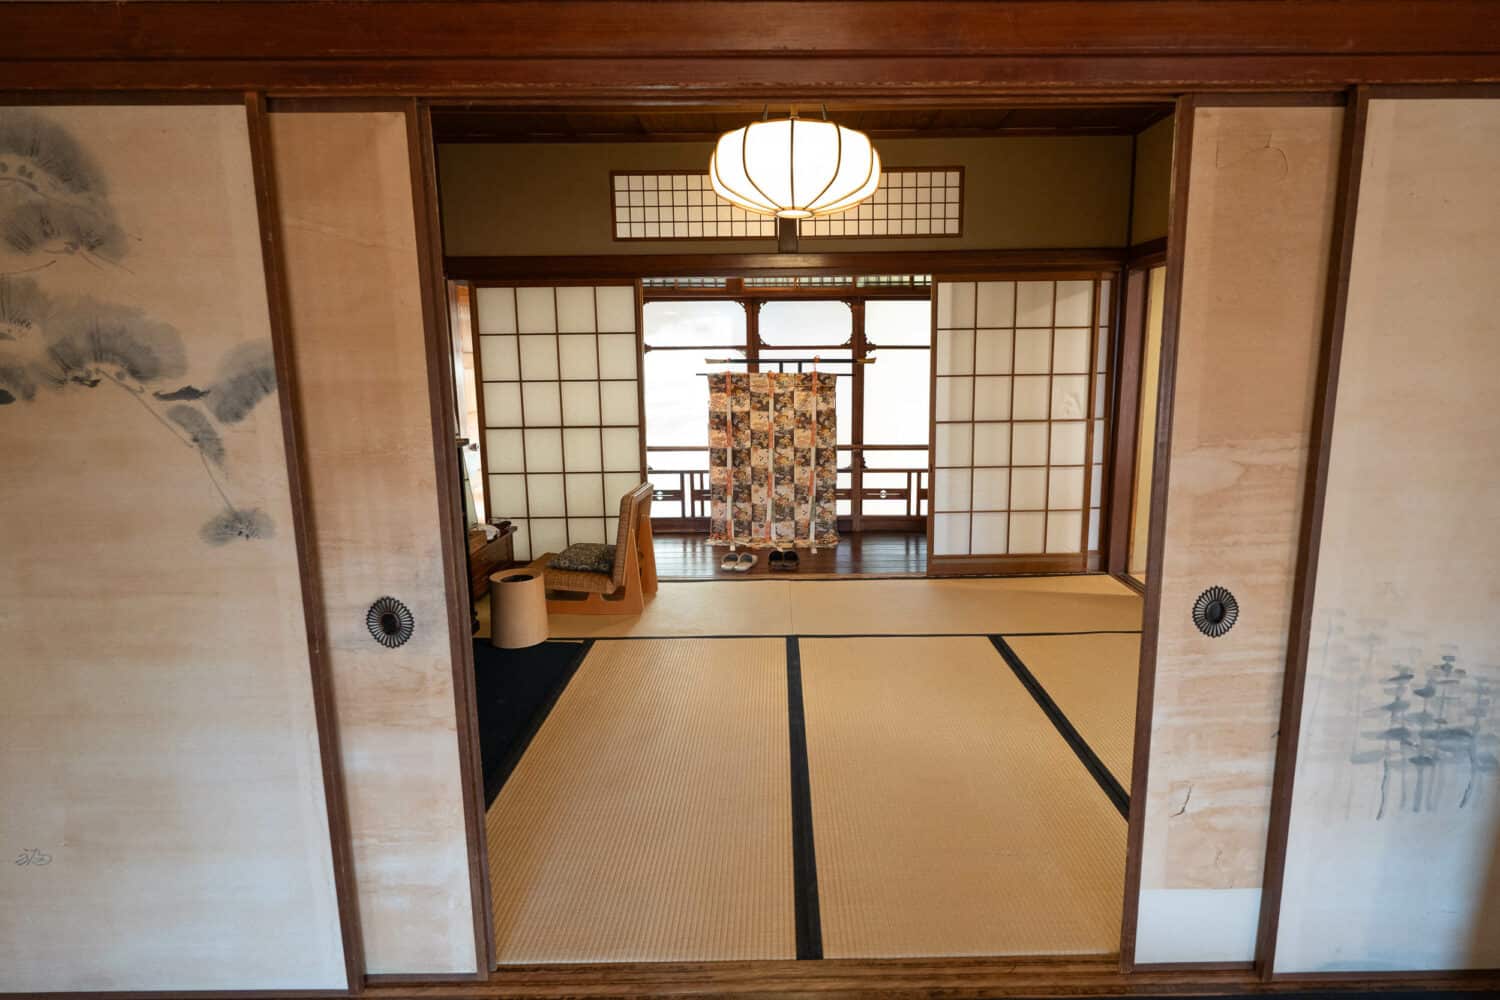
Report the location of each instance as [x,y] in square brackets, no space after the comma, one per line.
[773,458]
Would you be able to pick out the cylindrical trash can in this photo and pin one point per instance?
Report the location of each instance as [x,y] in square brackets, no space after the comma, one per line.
[518,609]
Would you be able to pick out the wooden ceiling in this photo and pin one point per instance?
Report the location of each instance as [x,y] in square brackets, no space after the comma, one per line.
[491,124]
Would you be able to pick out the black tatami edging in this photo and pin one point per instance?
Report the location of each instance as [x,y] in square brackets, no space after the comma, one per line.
[804,858]
[1090,760]
[857,635]
[513,755]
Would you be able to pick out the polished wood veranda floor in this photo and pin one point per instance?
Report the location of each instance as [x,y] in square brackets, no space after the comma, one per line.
[865,553]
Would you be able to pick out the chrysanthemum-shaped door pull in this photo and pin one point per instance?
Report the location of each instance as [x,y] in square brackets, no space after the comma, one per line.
[1215,612]
[390,622]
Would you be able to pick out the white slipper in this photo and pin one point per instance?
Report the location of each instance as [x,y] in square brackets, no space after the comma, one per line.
[730,561]
[746,560]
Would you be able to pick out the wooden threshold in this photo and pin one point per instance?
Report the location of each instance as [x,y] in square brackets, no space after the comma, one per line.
[897,979]
[1020,565]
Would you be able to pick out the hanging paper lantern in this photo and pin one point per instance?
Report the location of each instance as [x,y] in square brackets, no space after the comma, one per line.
[793,168]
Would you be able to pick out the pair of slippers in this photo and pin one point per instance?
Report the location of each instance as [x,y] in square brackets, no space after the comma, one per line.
[780,559]
[738,562]
[784,559]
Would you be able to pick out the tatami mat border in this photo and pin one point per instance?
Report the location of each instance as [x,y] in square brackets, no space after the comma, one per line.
[1107,781]
[854,635]
[804,853]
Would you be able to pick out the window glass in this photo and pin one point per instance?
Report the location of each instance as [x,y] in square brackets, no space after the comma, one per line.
[898,321]
[677,395]
[692,323]
[806,323]
[897,393]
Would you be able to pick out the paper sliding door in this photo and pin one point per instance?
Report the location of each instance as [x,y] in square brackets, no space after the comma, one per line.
[162,787]
[1393,850]
[1239,357]
[353,274]
[1020,396]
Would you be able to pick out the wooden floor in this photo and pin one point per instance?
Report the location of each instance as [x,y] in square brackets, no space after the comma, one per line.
[889,553]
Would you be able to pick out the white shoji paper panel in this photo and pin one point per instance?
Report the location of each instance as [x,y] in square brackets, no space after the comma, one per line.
[950,534]
[578,356]
[561,391]
[497,310]
[911,201]
[580,404]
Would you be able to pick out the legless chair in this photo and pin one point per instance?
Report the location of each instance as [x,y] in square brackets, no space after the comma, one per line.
[612,583]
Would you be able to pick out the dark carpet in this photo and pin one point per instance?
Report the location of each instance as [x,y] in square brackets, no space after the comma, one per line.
[515,689]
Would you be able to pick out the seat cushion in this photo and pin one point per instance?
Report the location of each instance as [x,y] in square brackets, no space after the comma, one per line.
[585,557]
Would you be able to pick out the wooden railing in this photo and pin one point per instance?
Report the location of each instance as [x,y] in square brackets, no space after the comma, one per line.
[683,498]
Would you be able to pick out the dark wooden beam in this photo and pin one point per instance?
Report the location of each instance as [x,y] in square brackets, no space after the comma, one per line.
[680,51]
[667,265]
[665,29]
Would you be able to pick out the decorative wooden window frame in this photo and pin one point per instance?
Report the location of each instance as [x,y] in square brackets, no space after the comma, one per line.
[912,192]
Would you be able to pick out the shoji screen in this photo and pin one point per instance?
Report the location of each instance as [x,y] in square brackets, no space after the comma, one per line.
[1018,407]
[162,804]
[1261,183]
[353,283]
[1393,853]
[560,369]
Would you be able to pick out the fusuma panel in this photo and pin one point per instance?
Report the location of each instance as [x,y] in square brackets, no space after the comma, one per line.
[164,814]
[351,253]
[1262,184]
[1392,854]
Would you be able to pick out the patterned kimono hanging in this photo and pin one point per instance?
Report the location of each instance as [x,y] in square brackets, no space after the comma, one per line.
[772,440]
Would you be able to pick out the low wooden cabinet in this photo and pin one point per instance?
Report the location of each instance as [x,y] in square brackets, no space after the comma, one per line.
[486,555]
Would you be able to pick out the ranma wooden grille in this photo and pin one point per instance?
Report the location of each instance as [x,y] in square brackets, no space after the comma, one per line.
[681,205]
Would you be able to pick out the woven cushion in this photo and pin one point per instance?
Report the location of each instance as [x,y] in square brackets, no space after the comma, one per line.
[585,557]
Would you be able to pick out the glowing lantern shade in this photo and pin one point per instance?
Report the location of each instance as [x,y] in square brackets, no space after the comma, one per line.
[794,168]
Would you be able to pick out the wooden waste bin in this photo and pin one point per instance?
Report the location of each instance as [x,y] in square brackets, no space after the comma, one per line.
[518,609]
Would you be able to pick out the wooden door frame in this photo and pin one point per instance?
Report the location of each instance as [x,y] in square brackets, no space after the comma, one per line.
[1133,303]
[1182,147]
[908,54]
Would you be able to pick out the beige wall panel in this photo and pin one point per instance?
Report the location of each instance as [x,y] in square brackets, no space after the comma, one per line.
[534,198]
[1393,858]
[1145,447]
[344,184]
[163,814]
[1152,194]
[1259,220]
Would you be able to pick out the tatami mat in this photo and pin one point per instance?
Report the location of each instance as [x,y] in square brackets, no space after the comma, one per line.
[650,818]
[1092,679]
[872,607]
[949,816]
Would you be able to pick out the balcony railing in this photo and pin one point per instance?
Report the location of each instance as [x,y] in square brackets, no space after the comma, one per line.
[682,495]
